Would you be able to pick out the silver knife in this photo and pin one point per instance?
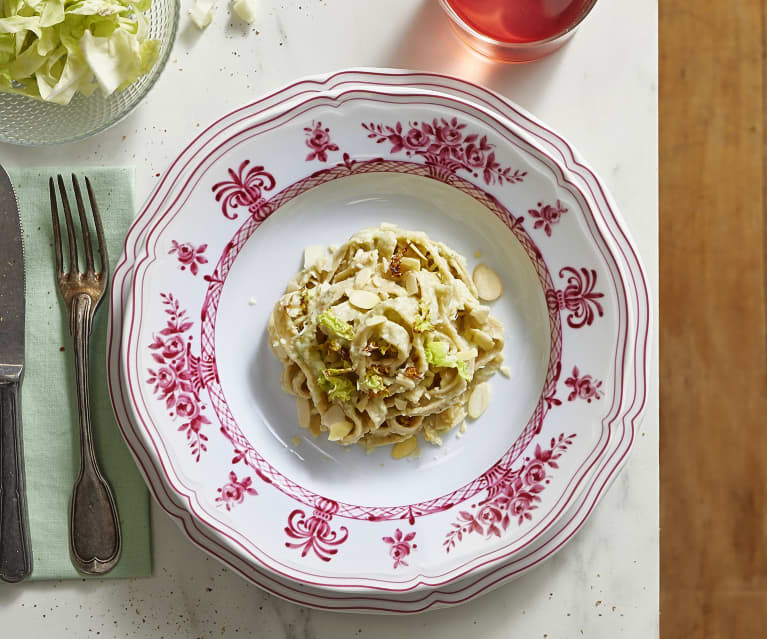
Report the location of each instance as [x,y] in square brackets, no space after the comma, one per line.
[15,553]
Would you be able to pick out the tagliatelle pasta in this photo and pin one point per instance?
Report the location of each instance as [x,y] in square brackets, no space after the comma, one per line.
[384,338]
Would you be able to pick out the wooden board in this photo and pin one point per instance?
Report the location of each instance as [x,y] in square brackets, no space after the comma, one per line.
[713,364]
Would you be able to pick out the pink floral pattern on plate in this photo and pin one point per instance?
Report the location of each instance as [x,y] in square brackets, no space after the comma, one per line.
[318,140]
[546,215]
[446,146]
[400,546]
[583,387]
[315,533]
[178,380]
[229,427]
[245,188]
[578,297]
[189,255]
[551,397]
[512,495]
[234,491]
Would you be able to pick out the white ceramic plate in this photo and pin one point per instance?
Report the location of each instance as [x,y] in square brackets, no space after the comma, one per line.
[196,389]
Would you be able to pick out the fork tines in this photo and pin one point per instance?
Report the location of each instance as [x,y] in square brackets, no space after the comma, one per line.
[72,240]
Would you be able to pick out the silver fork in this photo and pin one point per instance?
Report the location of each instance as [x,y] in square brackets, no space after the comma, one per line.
[94,528]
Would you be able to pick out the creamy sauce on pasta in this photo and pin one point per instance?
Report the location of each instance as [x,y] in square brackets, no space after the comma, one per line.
[384,338]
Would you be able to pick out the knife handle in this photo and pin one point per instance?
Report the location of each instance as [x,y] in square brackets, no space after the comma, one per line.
[15,554]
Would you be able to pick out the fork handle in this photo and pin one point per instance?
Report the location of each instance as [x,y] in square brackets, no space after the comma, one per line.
[15,554]
[94,528]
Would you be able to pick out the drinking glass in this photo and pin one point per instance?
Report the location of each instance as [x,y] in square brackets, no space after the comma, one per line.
[516,30]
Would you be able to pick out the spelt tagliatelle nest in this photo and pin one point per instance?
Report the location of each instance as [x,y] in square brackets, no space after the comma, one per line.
[384,338]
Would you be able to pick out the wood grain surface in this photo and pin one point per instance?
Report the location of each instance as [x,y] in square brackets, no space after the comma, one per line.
[713,364]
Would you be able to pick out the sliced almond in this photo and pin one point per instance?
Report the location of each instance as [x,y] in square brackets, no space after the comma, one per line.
[505,371]
[479,400]
[363,299]
[313,254]
[489,286]
[332,415]
[404,448]
[315,425]
[345,311]
[481,339]
[411,283]
[480,314]
[363,277]
[415,250]
[304,412]
[494,328]
[375,320]
[410,264]
[464,356]
[339,430]
[379,282]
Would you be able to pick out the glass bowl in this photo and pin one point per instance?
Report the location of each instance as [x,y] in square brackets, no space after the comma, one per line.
[511,52]
[32,122]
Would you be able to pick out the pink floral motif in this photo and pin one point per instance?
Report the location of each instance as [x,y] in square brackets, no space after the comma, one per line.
[189,256]
[578,297]
[546,215]
[318,140]
[400,547]
[178,379]
[347,162]
[585,387]
[234,491]
[446,147]
[550,398]
[315,532]
[512,495]
[244,189]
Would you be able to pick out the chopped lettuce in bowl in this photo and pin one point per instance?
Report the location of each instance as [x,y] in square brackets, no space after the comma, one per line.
[51,49]
[71,68]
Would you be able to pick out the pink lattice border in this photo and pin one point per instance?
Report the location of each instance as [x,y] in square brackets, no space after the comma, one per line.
[209,312]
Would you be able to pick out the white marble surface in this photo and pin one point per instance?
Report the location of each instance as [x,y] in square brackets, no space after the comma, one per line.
[600,92]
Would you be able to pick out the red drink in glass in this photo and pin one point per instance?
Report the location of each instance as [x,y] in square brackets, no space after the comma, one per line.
[516,30]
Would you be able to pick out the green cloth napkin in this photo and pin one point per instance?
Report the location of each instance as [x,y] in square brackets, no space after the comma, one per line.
[48,400]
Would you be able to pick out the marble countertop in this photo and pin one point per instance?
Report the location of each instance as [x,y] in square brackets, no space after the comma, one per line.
[600,92]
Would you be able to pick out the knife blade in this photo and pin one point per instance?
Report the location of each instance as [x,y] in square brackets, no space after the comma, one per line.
[15,552]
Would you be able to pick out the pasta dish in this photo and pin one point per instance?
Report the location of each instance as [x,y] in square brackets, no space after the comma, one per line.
[383,338]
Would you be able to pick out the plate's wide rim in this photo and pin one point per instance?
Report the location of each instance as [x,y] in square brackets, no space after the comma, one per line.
[124,270]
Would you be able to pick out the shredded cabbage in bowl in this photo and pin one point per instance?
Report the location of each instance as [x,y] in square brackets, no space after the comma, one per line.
[51,49]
